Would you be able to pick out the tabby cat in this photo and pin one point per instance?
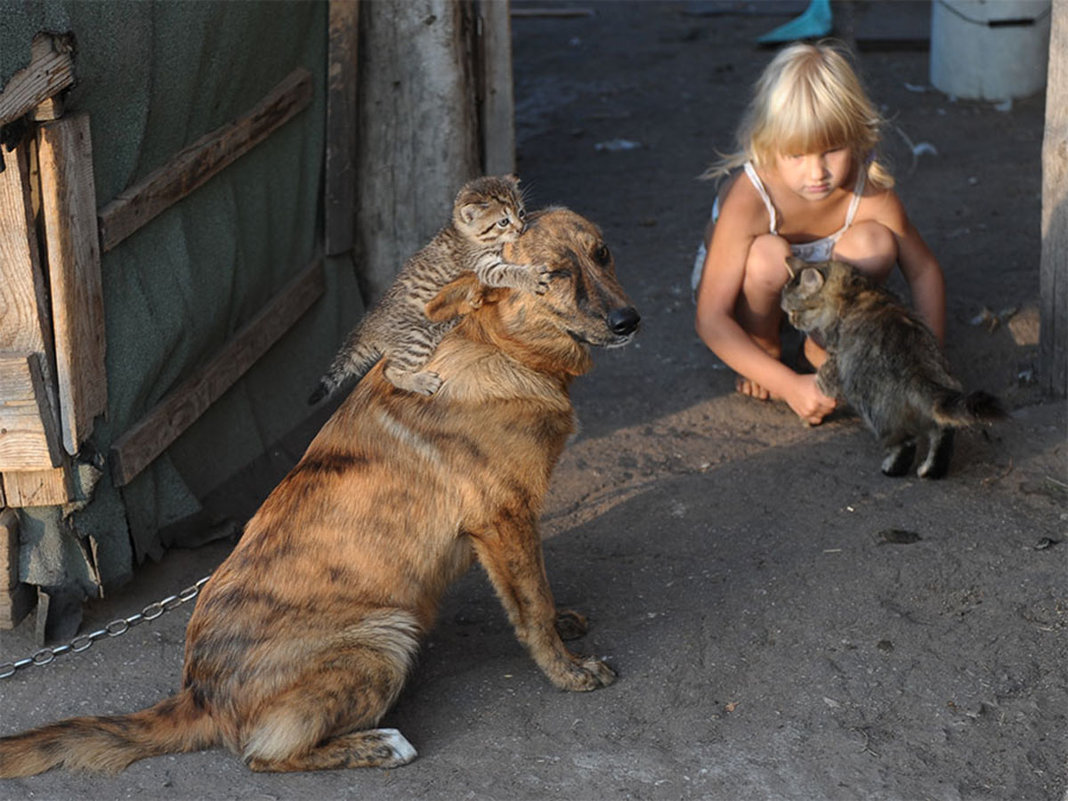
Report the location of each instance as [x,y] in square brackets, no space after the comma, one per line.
[885,363]
[487,213]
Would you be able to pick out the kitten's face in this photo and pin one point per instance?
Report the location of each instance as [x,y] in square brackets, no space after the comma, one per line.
[809,298]
[490,210]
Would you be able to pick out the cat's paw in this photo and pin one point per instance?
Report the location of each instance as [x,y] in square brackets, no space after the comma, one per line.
[542,275]
[425,382]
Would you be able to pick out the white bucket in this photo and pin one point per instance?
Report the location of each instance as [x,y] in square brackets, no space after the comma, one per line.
[989,49]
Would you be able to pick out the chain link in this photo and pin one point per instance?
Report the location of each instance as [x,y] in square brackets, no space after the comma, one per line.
[115,628]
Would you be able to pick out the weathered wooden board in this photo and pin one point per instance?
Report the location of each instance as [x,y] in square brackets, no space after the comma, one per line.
[28,437]
[1053,313]
[25,330]
[148,438]
[24,323]
[196,164]
[50,71]
[68,207]
[51,487]
[16,599]
[339,189]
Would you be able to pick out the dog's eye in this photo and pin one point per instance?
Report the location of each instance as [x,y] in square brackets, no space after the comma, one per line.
[602,255]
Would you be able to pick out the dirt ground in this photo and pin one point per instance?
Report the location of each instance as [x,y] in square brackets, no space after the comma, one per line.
[787,623]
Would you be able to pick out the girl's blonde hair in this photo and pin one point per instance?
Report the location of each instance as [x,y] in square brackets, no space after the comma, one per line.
[808,99]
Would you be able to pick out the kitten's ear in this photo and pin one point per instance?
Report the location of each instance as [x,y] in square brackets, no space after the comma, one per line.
[811,280]
[794,265]
[459,297]
[468,212]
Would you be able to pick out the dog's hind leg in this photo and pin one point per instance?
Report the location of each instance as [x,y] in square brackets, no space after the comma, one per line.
[373,748]
[325,718]
[512,557]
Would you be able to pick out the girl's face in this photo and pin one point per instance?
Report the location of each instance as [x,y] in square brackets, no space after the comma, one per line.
[814,176]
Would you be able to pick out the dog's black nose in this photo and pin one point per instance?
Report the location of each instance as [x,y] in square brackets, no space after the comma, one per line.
[624,321]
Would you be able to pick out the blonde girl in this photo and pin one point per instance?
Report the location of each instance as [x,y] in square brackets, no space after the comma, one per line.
[809,185]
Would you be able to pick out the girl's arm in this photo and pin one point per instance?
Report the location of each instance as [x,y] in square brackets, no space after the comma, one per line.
[742,219]
[918,264]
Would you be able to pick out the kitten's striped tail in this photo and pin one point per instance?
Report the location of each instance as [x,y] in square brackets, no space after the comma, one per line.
[355,358]
[956,409]
[110,744]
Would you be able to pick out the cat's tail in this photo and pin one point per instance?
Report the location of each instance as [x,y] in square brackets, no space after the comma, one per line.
[355,358]
[110,744]
[956,409]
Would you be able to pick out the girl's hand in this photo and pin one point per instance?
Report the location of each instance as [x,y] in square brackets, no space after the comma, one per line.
[807,401]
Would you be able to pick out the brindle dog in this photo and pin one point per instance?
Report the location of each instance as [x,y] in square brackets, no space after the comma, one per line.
[303,637]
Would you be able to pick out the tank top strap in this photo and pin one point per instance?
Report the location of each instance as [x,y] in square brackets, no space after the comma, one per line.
[858,192]
[754,179]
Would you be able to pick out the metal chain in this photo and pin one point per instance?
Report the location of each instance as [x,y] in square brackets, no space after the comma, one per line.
[113,629]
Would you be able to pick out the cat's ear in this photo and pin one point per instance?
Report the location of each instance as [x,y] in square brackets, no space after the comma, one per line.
[469,211]
[811,280]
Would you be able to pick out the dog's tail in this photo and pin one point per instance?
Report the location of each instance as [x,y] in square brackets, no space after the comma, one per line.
[956,409]
[110,744]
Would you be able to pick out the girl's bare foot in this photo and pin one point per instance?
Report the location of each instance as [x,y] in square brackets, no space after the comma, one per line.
[743,386]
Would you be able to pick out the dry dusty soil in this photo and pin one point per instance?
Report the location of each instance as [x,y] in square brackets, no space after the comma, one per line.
[787,623]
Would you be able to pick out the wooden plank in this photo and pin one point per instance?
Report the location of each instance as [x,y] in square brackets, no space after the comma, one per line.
[498,107]
[25,328]
[52,487]
[24,323]
[15,604]
[148,438]
[50,71]
[9,549]
[16,598]
[29,439]
[1053,270]
[68,206]
[196,164]
[340,180]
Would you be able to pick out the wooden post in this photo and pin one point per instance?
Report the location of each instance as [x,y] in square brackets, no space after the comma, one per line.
[68,206]
[417,128]
[498,103]
[1053,326]
[339,191]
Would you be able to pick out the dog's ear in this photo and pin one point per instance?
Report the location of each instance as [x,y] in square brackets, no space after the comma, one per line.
[459,297]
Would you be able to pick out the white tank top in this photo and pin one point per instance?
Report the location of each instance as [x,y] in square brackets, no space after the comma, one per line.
[820,249]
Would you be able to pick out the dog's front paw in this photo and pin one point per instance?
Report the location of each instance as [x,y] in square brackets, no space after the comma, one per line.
[585,674]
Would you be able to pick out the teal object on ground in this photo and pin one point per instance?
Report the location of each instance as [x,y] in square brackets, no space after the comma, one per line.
[814,22]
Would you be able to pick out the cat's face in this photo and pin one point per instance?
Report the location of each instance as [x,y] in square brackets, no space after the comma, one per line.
[490,210]
[809,298]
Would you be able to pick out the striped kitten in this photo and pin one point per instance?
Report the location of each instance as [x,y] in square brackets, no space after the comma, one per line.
[885,362]
[487,213]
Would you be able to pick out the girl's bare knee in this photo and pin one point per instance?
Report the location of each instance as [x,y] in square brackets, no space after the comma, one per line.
[870,247]
[765,268]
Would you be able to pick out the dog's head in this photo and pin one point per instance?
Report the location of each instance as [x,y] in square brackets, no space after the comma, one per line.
[584,306]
